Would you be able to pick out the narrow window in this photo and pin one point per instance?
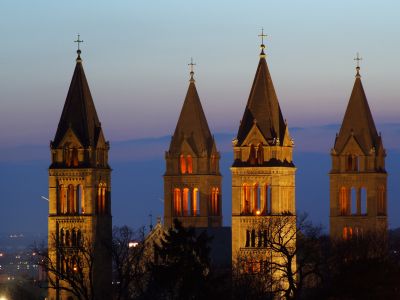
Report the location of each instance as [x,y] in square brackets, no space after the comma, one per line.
[349,163]
[67,239]
[256,198]
[253,238]
[364,208]
[195,202]
[63,199]
[62,237]
[183,164]
[177,202]
[246,199]
[79,238]
[185,201]
[353,201]
[260,154]
[189,161]
[343,201]
[80,199]
[252,155]
[75,161]
[247,238]
[345,234]
[260,237]
[71,199]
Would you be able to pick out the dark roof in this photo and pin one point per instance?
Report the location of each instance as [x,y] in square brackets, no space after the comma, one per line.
[79,112]
[262,107]
[192,125]
[358,121]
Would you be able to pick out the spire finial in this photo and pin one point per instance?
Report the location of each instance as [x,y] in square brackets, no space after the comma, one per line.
[358,59]
[191,69]
[79,41]
[262,36]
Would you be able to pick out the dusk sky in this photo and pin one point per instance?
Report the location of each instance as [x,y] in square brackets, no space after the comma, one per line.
[136,54]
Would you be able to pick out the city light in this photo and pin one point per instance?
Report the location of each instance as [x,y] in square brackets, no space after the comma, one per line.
[3,298]
[133,244]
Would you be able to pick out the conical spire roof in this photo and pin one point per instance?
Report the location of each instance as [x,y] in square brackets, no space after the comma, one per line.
[192,125]
[79,112]
[358,121]
[262,107]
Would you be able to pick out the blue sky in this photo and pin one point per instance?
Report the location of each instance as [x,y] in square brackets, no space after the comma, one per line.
[136,53]
[135,57]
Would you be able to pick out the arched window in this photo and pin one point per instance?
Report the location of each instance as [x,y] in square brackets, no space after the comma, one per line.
[215,201]
[345,233]
[67,238]
[195,202]
[246,199]
[62,237]
[252,155]
[266,204]
[177,202]
[73,238]
[67,156]
[79,238]
[349,163]
[71,199]
[189,164]
[344,201]
[185,202]
[183,164]
[63,199]
[101,199]
[80,199]
[253,238]
[256,199]
[260,154]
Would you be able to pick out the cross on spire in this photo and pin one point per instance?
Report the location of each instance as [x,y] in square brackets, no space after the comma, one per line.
[79,41]
[191,69]
[358,59]
[262,36]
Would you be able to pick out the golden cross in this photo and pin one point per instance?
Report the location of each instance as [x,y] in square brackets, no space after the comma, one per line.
[358,58]
[262,36]
[79,41]
[191,65]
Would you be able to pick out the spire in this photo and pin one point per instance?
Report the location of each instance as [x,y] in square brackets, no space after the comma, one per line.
[79,112]
[262,106]
[358,121]
[192,124]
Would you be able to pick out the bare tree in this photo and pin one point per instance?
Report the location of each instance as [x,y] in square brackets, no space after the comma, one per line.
[129,256]
[69,266]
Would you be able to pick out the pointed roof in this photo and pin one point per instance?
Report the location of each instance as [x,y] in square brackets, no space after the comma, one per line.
[79,112]
[262,107]
[192,125]
[358,121]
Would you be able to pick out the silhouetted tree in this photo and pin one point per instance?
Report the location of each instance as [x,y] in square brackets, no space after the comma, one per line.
[181,266]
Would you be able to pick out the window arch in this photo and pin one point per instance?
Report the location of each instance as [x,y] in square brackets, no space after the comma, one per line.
[183,164]
[67,238]
[102,199]
[246,199]
[177,202]
[189,164]
[344,201]
[74,158]
[195,202]
[80,199]
[62,199]
[215,201]
[71,199]
[185,202]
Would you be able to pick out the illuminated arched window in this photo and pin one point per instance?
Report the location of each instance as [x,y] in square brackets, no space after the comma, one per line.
[215,201]
[189,164]
[185,202]
[177,202]
[195,202]
[183,164]
[345,233]
[256,199]
[101,199]
[344,201]
[252,155]
[71,199]
[246,199]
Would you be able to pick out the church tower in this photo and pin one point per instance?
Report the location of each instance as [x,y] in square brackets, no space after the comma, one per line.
[192,181]
[358,177]
[263,173]
[79,195]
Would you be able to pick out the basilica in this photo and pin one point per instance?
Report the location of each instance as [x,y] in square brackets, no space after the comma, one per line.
[263,178]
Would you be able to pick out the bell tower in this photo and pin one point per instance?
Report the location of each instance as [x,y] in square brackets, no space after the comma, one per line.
[263,173]
[358,201]
[192,180]
[79,194]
